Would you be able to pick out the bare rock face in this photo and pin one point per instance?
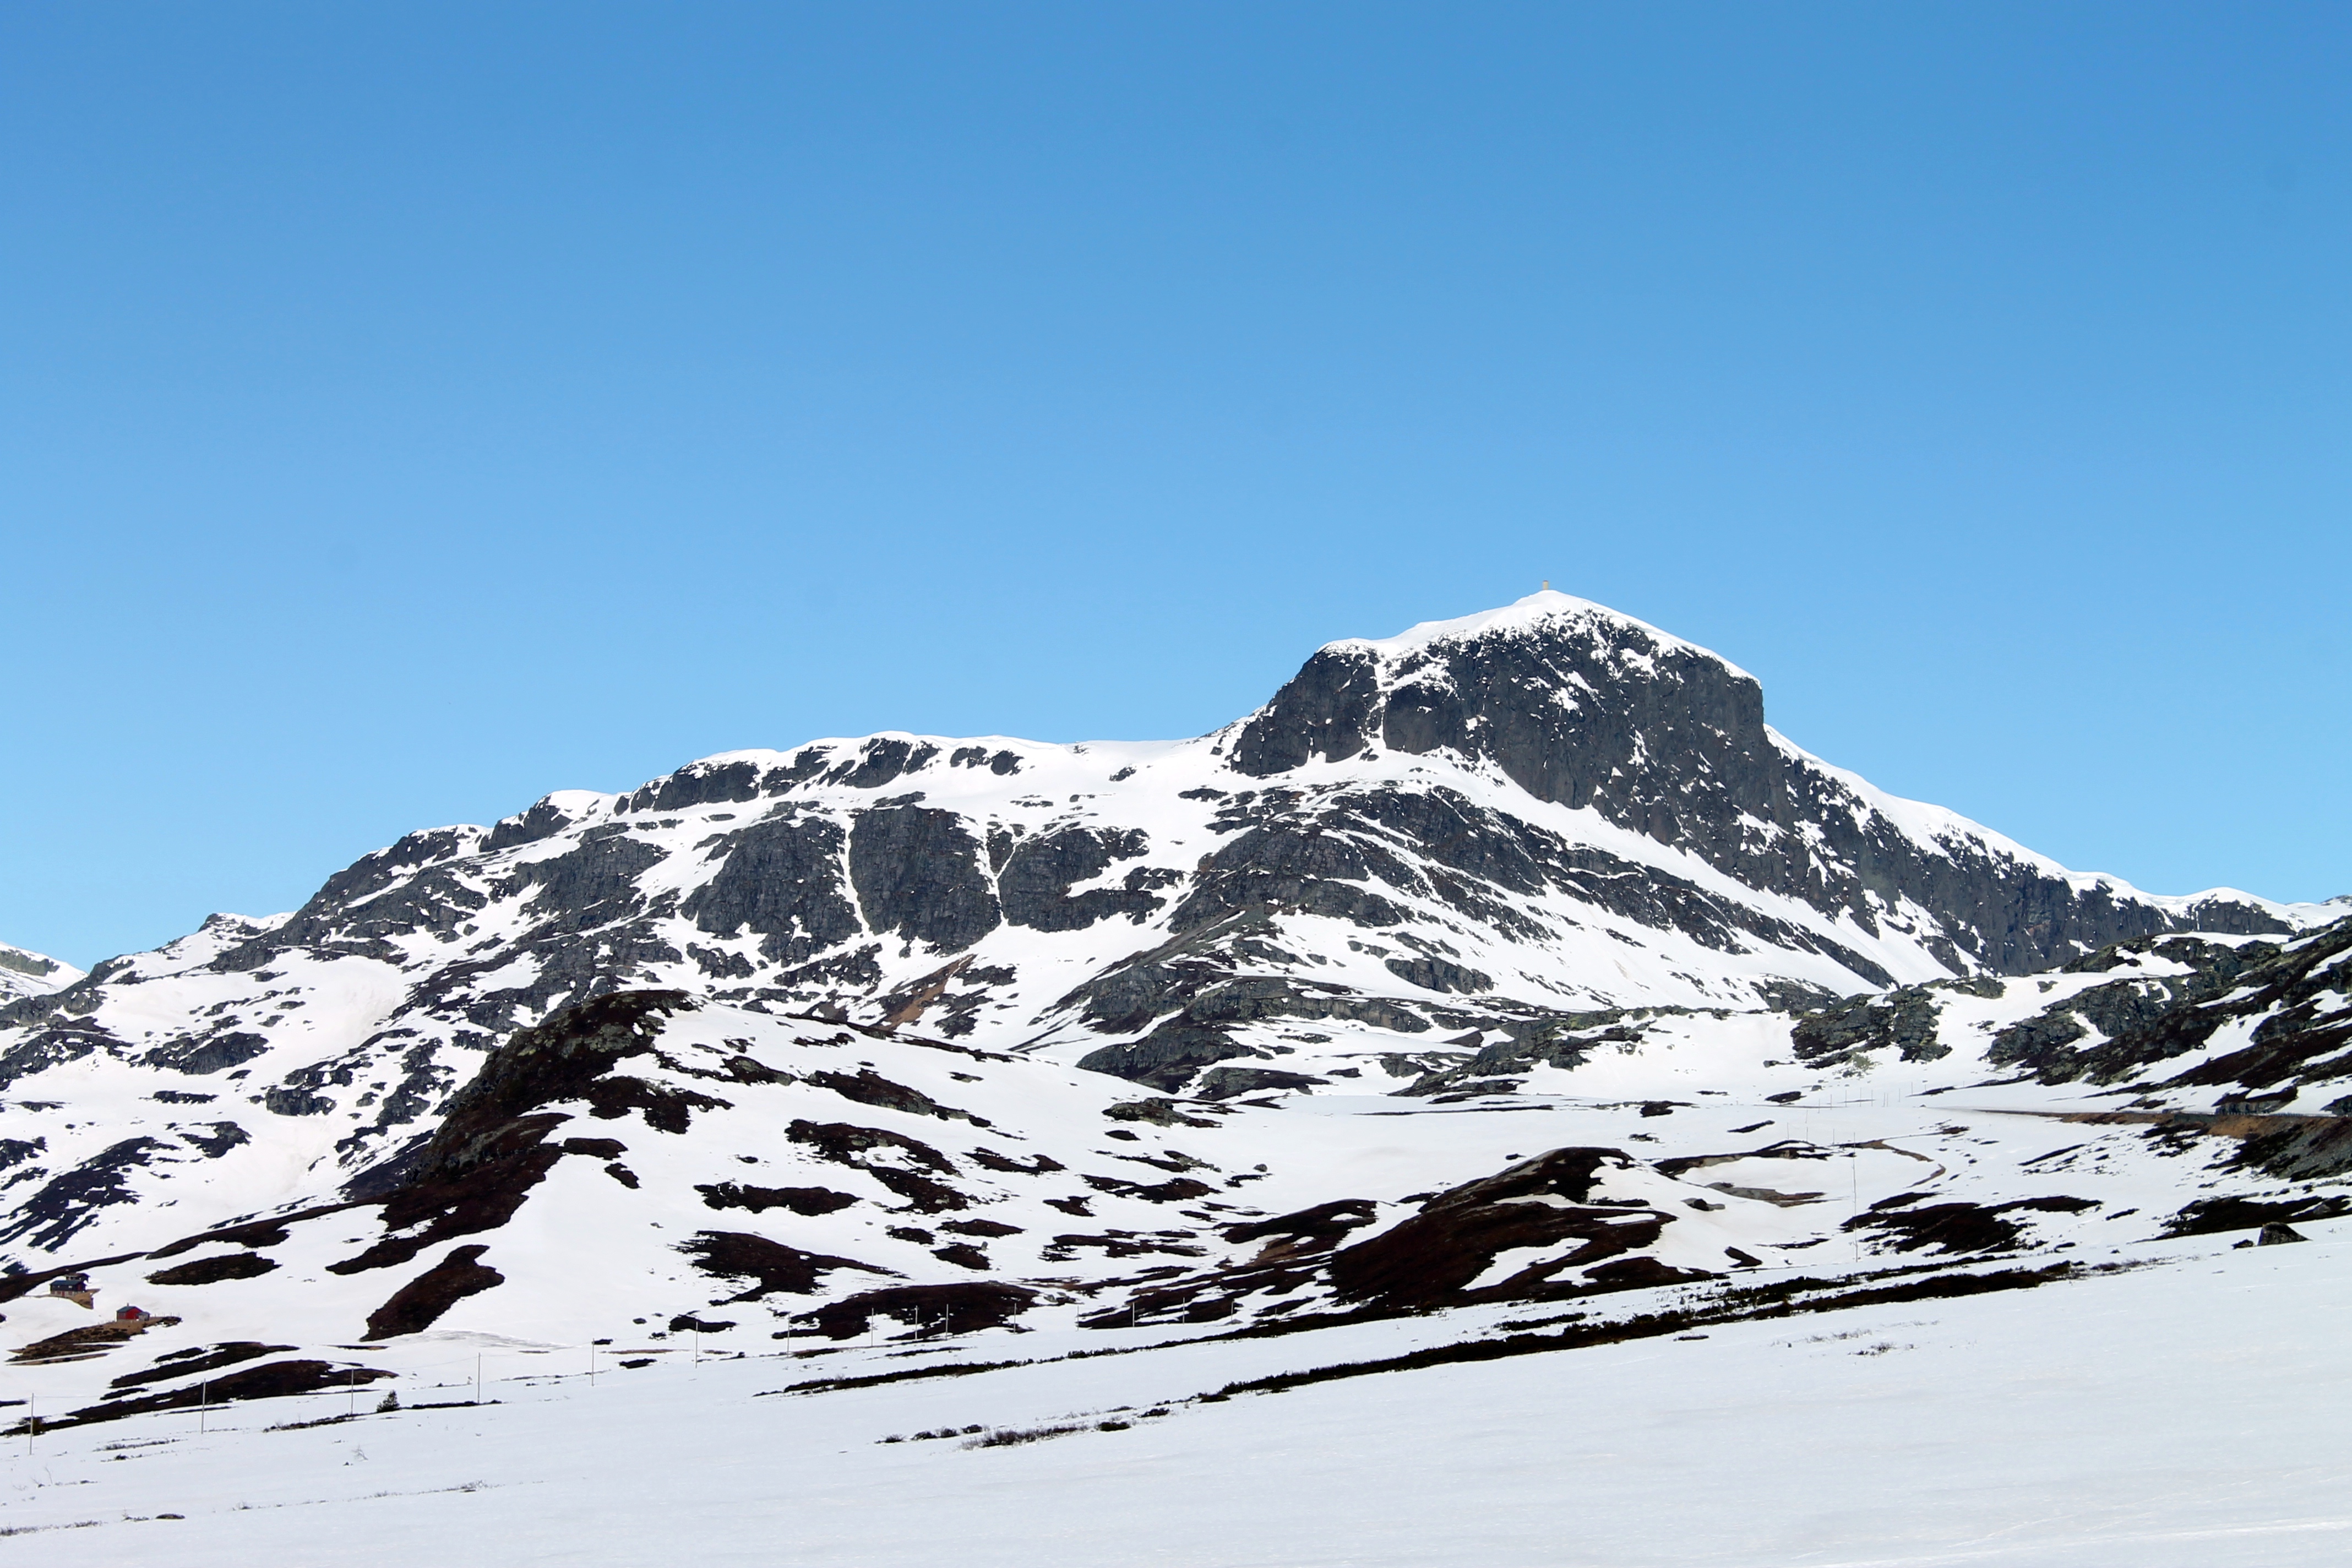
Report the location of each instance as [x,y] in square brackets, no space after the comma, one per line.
[1589,709]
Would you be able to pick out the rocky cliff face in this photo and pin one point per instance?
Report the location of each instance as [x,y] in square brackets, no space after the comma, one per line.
[1588,710]
[1480,841]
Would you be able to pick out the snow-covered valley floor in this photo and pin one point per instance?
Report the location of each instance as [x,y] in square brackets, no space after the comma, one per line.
[2190,1410]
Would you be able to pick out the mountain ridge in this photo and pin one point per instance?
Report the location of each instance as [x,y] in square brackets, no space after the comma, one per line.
[1463,844]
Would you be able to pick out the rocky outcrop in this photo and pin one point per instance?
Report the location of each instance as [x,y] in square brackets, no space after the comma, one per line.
[1593,710]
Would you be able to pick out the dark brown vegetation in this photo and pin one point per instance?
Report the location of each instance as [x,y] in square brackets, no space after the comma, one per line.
[416,1304]
[768,1265]
[185,1364]
[274,1381]
[929,1310]
[805,1201]
[1955,1228]
[212,1270]
[97,1339]
[491,1146]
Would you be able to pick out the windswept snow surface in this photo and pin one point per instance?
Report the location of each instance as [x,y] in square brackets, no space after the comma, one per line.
[2181,1413]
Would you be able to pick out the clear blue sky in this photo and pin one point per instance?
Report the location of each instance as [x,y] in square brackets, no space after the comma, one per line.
[407,410]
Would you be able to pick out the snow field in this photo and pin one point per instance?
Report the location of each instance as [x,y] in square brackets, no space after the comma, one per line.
[2159,1417]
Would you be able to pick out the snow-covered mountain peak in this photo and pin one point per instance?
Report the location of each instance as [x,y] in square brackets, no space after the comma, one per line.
[24,972]
[1464,845]
[1546,614]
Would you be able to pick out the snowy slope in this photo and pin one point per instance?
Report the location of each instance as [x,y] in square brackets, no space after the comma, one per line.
[2172,1415]
[643,1166]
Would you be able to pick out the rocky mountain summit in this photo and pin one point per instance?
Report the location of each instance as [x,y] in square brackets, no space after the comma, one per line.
[988,1032]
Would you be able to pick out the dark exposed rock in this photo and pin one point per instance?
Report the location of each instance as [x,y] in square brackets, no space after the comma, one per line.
[781,879]
[223,1137]
[544,819]
[870,1088]
[718,965]
[1289,866]
[883,760]
[254,1233]
[1199,1033]
[1167,1056]
[769,1265]
[182,1364]
[1038,874]
[806,1201]
[416,1305]
[1224,1083]
[490,1149]
[209,1053]
[849,1146]
[595,1148]
[211,1270]
[664,1108]
[1437,974]
[2295,1148]
[1036,1165]
[1905,1019]
[1431,1259]
[699,783]
[1171,1192]
[929,1310]
[918,876]
[93,1339]
[1955,1228]
[2303,1036]
[986,1229]
[1163,1112]
[852,1145]
[2207,1216]
[69,1202]
[1308,1230]
[923,1194]
[1598,713]
[276,1380]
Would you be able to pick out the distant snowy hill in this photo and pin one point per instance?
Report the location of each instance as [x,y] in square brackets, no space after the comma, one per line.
[1512,960]
[27,974]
